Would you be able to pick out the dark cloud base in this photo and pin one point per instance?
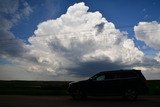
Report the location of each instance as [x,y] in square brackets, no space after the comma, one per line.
[90,68]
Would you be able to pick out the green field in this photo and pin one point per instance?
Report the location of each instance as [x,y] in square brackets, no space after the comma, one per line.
[52,87]
[33,87]
[154,87]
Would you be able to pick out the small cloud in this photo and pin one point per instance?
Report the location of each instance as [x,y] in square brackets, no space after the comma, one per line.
[11,14]
[154,3]
[144,10]
[146,16]
[144,47]
[9,6]
[157,57]
[149,32]
[27,9]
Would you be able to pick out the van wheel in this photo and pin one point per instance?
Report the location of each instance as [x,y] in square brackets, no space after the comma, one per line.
[78,95]
[130,94]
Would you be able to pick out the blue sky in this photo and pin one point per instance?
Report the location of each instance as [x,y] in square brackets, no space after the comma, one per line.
[125,14]
[22,22]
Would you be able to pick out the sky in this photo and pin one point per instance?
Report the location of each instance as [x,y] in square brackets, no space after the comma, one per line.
[74,39]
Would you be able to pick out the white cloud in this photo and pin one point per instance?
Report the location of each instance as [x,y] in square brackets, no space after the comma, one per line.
[11,11]
[9,6]
[5,24]
[149,32]
[78,37]
[157,57]
[10,14]
[27,9]
[79,41]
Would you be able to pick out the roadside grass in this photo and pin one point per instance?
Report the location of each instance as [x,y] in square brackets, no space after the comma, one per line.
[33,87]
[52,87]
[154,87]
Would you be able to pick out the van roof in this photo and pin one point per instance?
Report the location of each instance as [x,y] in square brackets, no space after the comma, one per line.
[122,70]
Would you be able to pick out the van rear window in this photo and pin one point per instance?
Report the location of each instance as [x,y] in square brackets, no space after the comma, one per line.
[117,75]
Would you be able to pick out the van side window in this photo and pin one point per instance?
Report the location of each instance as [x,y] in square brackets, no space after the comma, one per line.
[118,75]
[100,77]
[111,76]
[128,75]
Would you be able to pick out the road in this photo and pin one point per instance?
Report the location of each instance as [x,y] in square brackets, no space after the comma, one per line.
[66,101]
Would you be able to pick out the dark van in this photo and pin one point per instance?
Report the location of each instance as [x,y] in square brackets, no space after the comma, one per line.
[126,83]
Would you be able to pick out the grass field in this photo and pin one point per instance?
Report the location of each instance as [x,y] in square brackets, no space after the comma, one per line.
[154,87]
[52,87]
[33,87]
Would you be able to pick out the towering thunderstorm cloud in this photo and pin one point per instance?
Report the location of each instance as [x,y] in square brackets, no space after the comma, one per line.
[79,43]
[78,37]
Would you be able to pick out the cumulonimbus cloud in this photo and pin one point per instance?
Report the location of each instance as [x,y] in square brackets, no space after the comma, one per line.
[80,42]
[78,37]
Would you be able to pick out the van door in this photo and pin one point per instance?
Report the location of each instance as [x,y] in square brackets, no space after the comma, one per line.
[96,85]
[113,84]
